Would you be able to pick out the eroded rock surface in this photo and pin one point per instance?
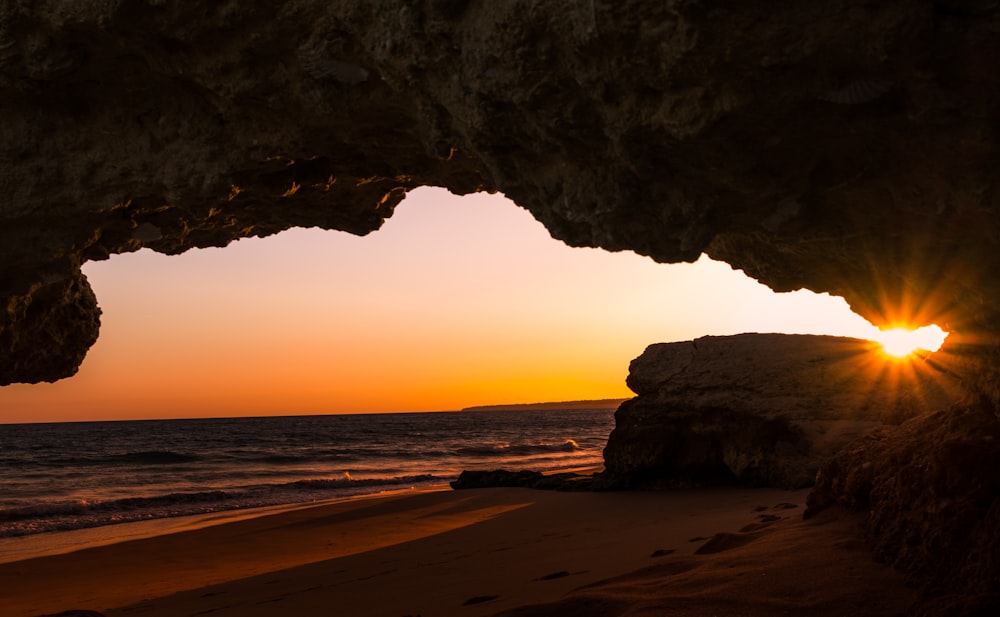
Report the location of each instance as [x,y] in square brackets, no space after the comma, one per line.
[762,409]
[840,145]
[47,331]
[931,489]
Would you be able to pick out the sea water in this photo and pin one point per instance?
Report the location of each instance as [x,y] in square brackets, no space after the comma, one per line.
[74,475]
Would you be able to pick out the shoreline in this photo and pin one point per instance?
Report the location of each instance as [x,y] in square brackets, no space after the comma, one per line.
[48,543]
[59,541]
[85,475]
[44,544]
[431,552]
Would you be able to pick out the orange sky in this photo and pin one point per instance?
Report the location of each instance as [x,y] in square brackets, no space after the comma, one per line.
[455,302]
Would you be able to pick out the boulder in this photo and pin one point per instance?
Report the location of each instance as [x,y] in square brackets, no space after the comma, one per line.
[762,409]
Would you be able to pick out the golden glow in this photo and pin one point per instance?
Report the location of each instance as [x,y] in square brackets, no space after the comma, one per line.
[901,342]
[455,302]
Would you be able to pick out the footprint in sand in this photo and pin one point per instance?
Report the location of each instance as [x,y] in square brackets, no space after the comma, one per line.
[780,506]
[662,552]
[725,541]
[766,520]
[553,576]
[478,600]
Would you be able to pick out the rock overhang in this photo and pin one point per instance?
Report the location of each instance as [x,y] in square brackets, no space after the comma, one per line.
[841,146]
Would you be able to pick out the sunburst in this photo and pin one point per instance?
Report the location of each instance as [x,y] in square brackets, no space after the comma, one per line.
[903,342]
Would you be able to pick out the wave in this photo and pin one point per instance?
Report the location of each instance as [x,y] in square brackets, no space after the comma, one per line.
[59,516]
[348,481]
[80,507]
[69,508]
[154,457]
[143,457]
[166,457]
[507,449]
[293,459]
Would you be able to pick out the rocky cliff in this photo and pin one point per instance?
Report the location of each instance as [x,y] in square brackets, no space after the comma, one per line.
[846,146]
[762,409]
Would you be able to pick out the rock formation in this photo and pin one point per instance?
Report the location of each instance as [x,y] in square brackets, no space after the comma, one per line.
[839,145]
[762,409]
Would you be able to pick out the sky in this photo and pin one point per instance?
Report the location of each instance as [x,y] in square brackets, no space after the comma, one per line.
[455,302]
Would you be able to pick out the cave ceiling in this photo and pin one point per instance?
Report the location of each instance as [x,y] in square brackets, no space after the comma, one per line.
[843,146]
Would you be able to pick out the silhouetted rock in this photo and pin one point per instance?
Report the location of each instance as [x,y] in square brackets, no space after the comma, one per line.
[523,479]
[496,477]
[760,409]
[931,487]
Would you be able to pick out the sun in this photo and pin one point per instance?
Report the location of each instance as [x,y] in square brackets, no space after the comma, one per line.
[901,342]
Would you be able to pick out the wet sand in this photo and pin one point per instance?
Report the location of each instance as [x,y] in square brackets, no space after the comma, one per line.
[474,553]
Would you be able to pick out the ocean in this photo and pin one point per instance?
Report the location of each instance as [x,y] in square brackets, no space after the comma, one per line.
[66,476]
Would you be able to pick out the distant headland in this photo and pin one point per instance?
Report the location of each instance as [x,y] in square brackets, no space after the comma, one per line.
[604,403]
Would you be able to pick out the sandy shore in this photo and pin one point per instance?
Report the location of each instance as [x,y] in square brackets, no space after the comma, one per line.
[479,552]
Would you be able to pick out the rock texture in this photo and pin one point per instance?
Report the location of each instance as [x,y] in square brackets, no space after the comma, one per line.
[47,331]
[846,146]
[931,487]
[762,409]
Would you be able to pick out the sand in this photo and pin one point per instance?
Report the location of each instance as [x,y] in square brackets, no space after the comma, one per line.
[473,553]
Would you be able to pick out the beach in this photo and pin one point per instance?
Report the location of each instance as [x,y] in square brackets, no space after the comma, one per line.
[477,552]
[71,476]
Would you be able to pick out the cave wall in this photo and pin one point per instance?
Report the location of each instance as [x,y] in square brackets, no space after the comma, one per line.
[844,146]
[930,489]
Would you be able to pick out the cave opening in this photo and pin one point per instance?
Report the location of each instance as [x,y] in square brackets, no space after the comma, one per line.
[456,302]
